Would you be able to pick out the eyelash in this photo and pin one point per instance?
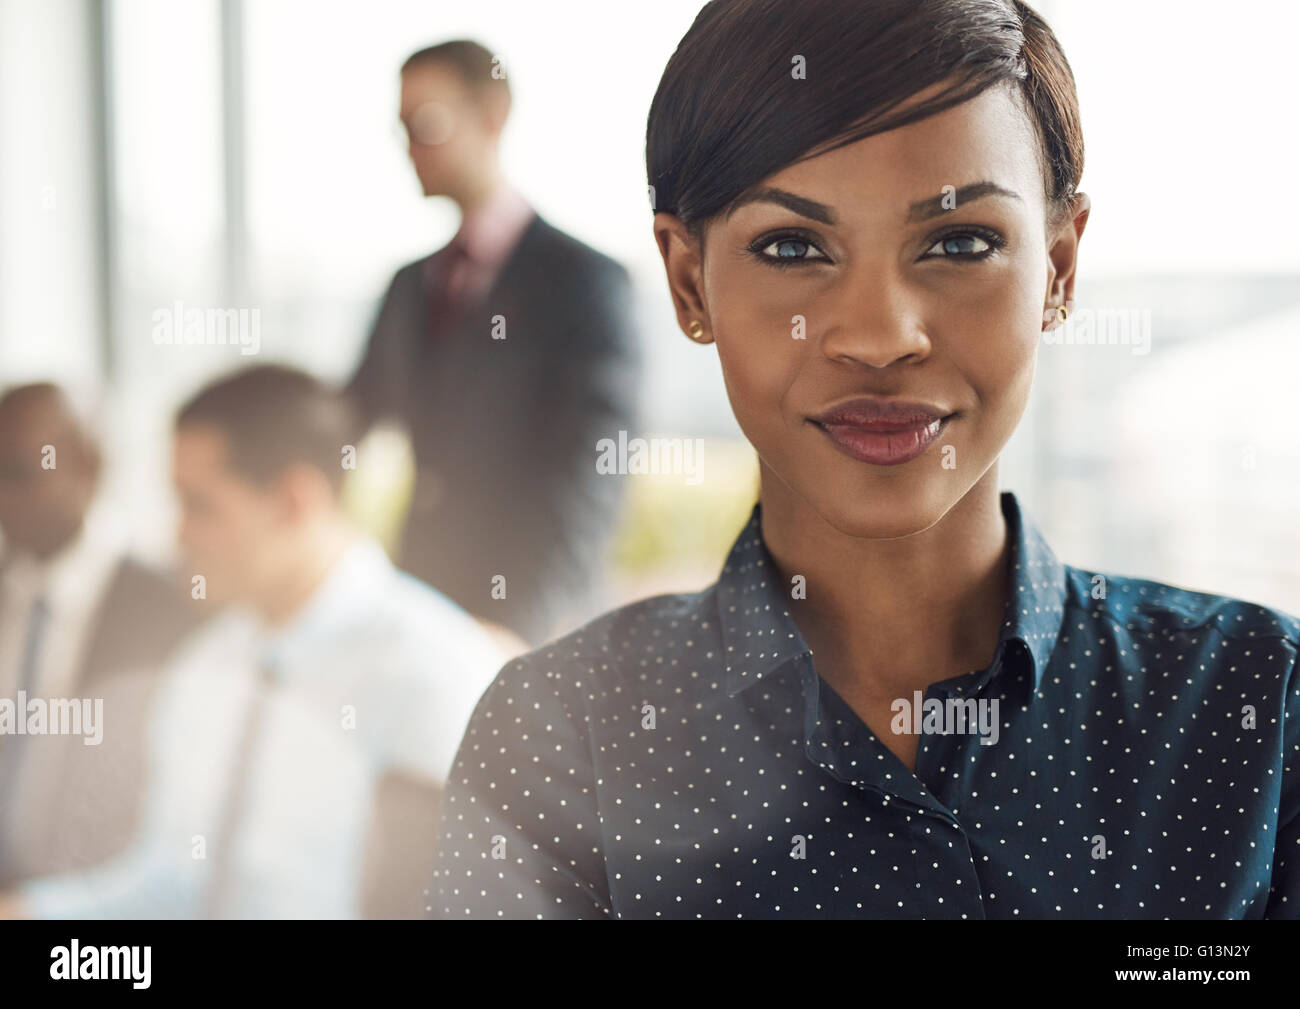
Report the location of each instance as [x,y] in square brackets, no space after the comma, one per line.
[756,248]
[992,238]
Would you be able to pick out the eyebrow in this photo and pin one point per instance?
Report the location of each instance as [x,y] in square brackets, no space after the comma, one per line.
[791,201]
[934,206]
[920,211]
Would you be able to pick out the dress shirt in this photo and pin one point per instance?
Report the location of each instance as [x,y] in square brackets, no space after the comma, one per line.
[681,758]
[72,583]
[483,242]
[375,672]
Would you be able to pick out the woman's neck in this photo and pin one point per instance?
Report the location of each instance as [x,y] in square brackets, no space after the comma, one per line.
[885,617]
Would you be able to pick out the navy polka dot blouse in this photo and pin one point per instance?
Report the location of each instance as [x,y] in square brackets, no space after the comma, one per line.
[680,758]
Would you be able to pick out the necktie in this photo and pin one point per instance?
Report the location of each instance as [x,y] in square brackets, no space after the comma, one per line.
[37,617]
[449,283]
[235,801]
[10,750]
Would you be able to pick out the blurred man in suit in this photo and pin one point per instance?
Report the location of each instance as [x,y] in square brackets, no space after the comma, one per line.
[301,740]
[78,619]
[507,355]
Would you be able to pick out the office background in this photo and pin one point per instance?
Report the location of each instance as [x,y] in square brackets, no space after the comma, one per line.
[245,153]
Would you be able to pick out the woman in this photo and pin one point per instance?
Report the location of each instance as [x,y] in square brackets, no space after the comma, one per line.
[896,700]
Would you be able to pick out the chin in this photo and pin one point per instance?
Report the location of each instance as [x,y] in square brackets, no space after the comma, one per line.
[882,506]
[217,596]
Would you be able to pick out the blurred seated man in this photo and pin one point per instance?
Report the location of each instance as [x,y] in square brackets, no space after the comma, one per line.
[315,720]
[78,620]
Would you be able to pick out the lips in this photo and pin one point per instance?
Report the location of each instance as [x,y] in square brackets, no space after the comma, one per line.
[883,432]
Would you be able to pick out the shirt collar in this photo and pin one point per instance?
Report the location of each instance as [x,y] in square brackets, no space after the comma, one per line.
[354,580]
[488,235]
[759,635]
[76,570]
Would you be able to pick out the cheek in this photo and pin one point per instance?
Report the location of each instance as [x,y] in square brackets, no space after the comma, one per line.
[754,336]
[759,364]
[228,533]
[209,539]
[991,337]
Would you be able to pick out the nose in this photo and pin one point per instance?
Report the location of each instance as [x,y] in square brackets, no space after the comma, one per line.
[877,321]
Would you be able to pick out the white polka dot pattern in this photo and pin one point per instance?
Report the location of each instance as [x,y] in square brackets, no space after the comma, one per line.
[680,758]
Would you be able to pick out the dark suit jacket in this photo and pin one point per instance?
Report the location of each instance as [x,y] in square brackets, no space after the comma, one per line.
[504,431]
[82,802]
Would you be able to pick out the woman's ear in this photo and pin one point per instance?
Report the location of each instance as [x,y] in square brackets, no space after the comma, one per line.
[683,258]
[1063,253]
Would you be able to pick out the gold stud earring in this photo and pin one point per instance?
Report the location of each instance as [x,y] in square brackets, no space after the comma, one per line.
[696,331]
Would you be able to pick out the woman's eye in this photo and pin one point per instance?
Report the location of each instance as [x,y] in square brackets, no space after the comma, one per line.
[964,244]
[790,250]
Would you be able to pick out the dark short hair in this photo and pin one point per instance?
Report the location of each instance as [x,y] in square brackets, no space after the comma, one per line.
[74,418]
[728,113]
[274,417]
[472,62]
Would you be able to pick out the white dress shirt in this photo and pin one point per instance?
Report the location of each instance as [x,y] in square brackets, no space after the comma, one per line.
[376,672]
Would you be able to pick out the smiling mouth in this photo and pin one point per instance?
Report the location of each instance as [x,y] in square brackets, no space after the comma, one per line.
[885,444]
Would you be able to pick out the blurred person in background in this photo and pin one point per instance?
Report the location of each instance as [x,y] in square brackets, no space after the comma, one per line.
[78,619]
[302,739]
[506,354]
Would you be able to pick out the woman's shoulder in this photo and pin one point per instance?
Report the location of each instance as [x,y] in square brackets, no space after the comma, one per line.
[644,622]
[1139,603]
[648,632]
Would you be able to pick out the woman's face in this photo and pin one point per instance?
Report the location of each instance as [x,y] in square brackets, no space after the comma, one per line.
[914,266]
